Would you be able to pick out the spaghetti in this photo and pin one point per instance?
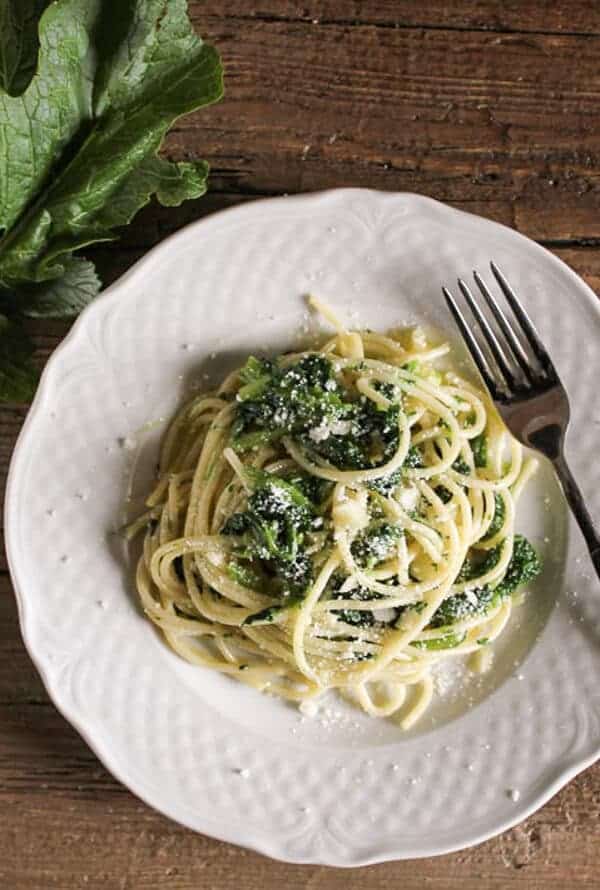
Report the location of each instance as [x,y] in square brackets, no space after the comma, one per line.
[341,518]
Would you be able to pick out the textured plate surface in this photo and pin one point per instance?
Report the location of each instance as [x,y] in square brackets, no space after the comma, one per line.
[340,788]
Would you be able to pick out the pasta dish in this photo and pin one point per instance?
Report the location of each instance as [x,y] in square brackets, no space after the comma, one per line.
[340,518]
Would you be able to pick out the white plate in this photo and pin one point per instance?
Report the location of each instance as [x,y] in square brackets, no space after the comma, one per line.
[341,789]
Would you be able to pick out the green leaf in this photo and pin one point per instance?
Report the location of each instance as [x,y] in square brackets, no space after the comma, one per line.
[78,149]
[64,297]
[19,43]
[180,182]
[449,641]
[18,376]
[479,447]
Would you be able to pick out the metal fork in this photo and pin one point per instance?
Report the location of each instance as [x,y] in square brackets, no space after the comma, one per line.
[524,385]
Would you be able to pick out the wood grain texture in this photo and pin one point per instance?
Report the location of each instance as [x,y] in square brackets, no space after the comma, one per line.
[491,105]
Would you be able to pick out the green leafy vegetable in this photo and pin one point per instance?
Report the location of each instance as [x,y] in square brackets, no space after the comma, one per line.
[463,605]
[524,566]
[411,366]
[62,297]
[376,544]
[78,148]
[278,401]
[477,564]
[498,517]
[448,641]
[272,613]
[304,400]
[354,617]
[19,43]
[272,531]
[244,575]
[461,466]
[479,447]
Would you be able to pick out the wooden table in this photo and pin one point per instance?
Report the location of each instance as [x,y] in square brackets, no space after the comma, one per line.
[490,105]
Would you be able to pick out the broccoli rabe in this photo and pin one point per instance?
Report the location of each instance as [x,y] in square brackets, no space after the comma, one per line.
[524,566]
[386,484]
[479,447]
[354,617]
[376,544]
[273,529]
[498,517]
[246,576]
[443,493]
[477,564]
[413,459]
[272,613]
[461,466]
[274,401]
[305,400]
[448,641]
[463,605]
[371,437]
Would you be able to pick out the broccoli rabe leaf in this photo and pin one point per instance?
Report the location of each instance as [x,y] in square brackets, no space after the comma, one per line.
[463,605]
[255,369]
[477,564]
[371,439]
[448,641]
[385,485]
[443,494]
[273,528]
[376,544]
[246,576]
[524,566]
[354,617]
[479,447]
[272,613]
[498,518]
[88,91]
[461,466]
[19,43]
[278,401]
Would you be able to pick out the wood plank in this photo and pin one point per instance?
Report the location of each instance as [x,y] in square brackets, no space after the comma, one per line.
[468,117]
[574,17]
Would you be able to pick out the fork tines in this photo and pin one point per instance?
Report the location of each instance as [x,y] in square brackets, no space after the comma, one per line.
[511,371]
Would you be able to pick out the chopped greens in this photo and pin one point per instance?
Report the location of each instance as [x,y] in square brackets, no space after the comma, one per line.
[355,617]
[498,517]
[524,566]
[479,447]
[376,544]
[244,575]
[477,564]
[272,530]
[305,400]
[463,605]
[461,466]
[443,494]
[448,641]
[271,613]
[289,400]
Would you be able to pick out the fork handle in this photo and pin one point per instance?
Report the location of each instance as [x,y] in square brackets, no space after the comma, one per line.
[580,511]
